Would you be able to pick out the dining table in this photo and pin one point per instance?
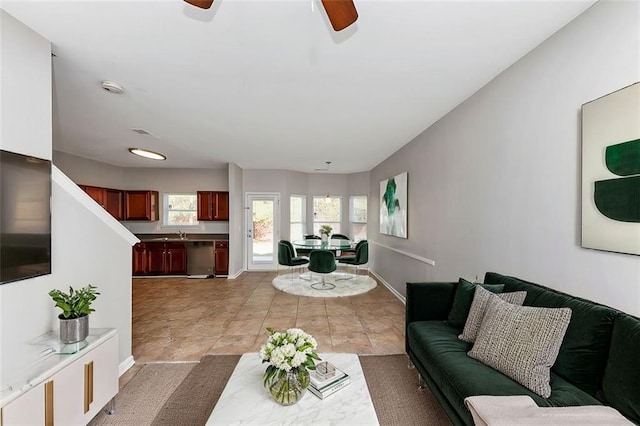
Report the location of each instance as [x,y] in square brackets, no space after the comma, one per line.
[331,244]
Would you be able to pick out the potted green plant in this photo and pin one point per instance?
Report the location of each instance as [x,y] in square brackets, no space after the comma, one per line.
[325,230]
[76,307]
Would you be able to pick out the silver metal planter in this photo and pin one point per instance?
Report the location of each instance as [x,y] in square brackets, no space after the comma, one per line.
[74,330]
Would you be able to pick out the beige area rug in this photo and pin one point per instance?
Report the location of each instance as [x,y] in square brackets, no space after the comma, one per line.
[185,394]
[144,396]
[354,285]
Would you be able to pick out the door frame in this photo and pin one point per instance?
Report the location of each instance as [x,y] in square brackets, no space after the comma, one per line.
[248,198]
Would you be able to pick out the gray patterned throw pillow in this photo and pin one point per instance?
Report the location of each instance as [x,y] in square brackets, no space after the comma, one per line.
[479,307]
[522,342]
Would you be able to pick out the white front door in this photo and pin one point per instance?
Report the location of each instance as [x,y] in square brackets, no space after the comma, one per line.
[263,230]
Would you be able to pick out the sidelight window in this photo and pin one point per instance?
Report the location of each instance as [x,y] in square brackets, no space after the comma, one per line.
[298,214]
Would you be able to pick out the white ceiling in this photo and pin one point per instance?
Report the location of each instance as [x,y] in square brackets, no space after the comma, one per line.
[267,84]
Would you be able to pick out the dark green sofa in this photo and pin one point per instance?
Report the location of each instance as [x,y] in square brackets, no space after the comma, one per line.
[598,363]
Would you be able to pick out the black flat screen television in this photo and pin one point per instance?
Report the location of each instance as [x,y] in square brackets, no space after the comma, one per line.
[25,217]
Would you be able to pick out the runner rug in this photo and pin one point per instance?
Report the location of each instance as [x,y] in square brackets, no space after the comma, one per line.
[170,394]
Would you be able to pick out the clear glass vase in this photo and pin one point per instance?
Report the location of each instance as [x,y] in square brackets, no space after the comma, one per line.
[288,387]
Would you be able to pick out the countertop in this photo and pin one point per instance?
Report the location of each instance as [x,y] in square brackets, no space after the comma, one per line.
[174,237]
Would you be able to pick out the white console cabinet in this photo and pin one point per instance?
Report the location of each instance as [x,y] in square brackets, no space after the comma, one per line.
[64,389]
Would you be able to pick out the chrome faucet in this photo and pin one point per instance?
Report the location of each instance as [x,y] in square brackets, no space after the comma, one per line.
[182,235]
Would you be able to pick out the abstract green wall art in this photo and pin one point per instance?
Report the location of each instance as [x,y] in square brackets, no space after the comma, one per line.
[393,206]
[611,172]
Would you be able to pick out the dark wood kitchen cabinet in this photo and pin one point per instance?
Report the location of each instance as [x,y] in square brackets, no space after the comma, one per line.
[213,205]
[141,205]
[112,200]
[176,258]
[166,258]
[222,257]
[140,265]
[156,255]
[94,192]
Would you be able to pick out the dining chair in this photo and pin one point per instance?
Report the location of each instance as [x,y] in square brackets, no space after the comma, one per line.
[322,262]
[287,256]
[339,237]
[360,258]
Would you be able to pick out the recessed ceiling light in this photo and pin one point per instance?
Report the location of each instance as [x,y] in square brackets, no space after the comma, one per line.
[147,154]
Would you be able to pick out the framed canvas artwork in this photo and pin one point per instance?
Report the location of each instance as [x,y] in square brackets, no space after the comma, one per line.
[611,172]
[393,206]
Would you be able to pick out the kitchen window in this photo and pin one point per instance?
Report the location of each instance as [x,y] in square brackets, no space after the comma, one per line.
[180,210]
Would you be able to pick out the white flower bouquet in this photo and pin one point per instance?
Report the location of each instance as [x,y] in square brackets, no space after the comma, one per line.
[290,355]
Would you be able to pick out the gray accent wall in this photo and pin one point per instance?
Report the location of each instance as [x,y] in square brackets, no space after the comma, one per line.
[495,184]
[288,183]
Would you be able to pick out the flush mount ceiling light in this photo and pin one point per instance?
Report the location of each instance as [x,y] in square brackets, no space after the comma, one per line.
[147,154]
[113,87]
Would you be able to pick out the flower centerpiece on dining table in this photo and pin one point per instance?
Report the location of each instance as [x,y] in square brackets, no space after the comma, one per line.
[290,354]
[325,231]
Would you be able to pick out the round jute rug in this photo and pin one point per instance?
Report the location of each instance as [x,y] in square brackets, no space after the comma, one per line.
[293,284]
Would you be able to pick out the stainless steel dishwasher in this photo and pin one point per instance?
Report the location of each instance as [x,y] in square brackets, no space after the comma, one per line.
[200,259]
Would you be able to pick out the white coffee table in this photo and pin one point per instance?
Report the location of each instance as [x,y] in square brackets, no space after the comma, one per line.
[245,401]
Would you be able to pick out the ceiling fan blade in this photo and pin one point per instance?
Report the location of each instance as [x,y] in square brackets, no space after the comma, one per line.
[202,4]
[341,13]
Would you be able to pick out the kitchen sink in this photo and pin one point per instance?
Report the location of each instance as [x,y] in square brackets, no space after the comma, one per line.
[170,239]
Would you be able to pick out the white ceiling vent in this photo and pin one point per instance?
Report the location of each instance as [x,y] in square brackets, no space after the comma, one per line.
[141,131]
[113,87]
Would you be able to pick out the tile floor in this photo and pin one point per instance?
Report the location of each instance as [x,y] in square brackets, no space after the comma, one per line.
[180,319]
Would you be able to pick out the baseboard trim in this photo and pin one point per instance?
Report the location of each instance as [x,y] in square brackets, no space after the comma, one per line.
[125,365]
[236,275]
[387,285]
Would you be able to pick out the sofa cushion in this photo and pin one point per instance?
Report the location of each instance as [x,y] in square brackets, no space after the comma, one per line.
[479,307]
[437,348]
[585,348]
[462,301]
[621,383]
[522,342]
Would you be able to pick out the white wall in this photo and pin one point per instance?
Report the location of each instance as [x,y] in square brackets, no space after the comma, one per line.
[89,172]
[25,89]
[25,96]
[86,250]
[79,255]
[236,221]
[495,184]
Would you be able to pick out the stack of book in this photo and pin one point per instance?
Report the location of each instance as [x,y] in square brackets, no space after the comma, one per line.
[327,379]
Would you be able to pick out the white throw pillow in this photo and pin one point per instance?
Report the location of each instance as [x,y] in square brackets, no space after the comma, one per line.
[479,307]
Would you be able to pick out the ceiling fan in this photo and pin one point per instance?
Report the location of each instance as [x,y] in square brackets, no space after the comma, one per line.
[341,13]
